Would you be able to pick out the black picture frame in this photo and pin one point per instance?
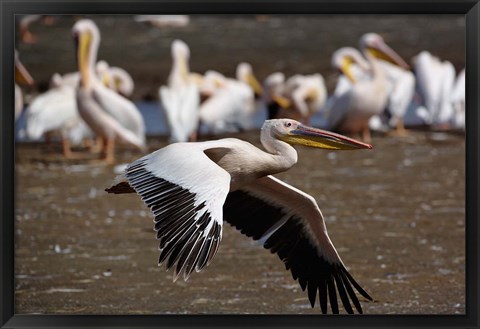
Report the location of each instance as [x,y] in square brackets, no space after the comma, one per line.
[8,8]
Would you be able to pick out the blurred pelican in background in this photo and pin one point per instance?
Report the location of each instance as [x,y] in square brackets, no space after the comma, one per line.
[55,111]
[307,95]
[458,101]
[352,111]
[274,94]
[352,67]
[25,21]
[180,100]
[299,97]
[23,27]
[110,116]
[231,105]
[23,77]
[400,90]
[161,21]
[244,73]
[435,79]
[121,81]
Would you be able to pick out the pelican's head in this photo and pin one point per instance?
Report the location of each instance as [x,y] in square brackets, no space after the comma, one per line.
[21,74]
[122,81]
[245,74]
[180,50]
[376,46]
[344,58]
[103,72]
[295,133]
[86,37]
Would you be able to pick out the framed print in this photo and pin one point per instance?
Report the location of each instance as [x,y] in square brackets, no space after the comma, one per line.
[161,165]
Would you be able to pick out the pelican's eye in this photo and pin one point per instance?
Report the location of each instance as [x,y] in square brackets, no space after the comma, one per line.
[288,124]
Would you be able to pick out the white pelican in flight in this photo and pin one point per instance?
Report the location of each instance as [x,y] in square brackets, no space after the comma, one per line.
[192,187]
[22,76]
[352,111]
[181,99]
[109,115]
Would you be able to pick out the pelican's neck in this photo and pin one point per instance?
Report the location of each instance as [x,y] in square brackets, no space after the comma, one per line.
[87,60]
[180,65]
[282,156]
[376,70]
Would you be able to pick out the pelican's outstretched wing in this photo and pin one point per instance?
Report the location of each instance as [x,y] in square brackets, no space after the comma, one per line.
[186,198]
[288,222]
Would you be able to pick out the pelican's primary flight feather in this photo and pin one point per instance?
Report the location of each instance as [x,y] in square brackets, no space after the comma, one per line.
[192,187]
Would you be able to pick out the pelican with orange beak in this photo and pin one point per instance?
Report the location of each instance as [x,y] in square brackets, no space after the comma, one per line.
[192,188]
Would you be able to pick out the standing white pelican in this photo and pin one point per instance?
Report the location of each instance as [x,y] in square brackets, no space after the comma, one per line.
[368,97]
[401,89]
[55,111]
[352,67]
[109,115]
[22,76]
[192,187]
[458,101]
[181,99]
[435,80]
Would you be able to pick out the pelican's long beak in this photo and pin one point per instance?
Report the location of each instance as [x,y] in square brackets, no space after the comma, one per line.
[282,101]
[107,82]
[345,68]
[384,52]
[314,137]
[21,74]
[255,85]
[84,41]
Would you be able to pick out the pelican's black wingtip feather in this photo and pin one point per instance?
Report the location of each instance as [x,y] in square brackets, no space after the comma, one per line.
[284,234]
[355,284]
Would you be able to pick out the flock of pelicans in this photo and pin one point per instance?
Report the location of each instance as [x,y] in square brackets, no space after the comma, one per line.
[192,187]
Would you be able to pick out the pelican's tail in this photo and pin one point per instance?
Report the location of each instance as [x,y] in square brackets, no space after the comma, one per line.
[120,185]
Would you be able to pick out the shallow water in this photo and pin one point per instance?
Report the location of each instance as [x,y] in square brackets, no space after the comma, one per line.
[396,215]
